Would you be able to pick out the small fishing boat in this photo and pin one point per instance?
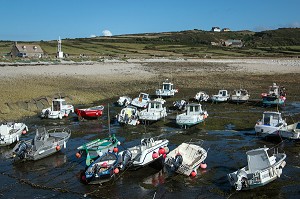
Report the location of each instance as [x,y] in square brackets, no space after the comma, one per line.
[95,148]
[192,116]
[128,115]
[101,170]
[187,158]
[92,112]
[261,169]
[148,151]
[167,89]
[154,112]
[291,131]
[276,95]
[201,96]
[58,109]
[270,123]
[180,105]
[222,96]
[240,96]
[45,143]
[10,132]
[141,101]
[124,101]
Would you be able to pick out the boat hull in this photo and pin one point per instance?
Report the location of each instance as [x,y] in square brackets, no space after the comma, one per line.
[11,133]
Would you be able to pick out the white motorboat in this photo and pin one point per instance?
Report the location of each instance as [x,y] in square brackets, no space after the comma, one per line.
[271,123]
[124,101]
[291,131]
[222,96]
[240,96]
[10,132]
[201,96]
[167,90]
[141,101]
[261,169]
[129,115]
[192,116]
[186,158]
[149,150]
[155,111]
[58,109]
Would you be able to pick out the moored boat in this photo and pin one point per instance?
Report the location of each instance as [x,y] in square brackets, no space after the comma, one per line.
[222,96]
[154,112]
[45,143]
[148,151]
[291,131]
[141,101]
[59,109]
[124,101]
[128,115]
[201,96]
[192,116]
[262,169]
[95,148]
[276,96]
[240,96]
[10,132]
[270,123]
[167,89]
[92,112]
[101,170]
[187,158]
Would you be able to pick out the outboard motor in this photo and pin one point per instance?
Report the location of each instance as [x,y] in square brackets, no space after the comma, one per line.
[20,151]
[242,180]
[126,157]
[176,162]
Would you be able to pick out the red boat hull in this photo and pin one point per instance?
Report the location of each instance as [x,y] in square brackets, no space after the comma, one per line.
[89,113]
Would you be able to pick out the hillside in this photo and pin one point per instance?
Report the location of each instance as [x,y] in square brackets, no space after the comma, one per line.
[191,43]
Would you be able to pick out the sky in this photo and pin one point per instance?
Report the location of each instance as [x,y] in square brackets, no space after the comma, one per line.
[35,20]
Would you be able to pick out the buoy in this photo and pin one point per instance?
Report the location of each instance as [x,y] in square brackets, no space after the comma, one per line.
[78,155]
[83,178]
[24,132]
[115,149]
[161,151]
[154,155]
[119,143]
[138,122]
[104,164]
[116,170]
[203,165]
[57,148]
[164,156]
[193,173]
[66,115]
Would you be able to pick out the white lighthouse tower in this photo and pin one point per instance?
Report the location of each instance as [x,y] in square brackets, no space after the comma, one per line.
[60,54]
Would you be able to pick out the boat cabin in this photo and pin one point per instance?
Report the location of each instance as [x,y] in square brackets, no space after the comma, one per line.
[223,93]
[240,92]
[167,86]
[57,104]
[258,159]
[143,96]
[193,109]
[272,119]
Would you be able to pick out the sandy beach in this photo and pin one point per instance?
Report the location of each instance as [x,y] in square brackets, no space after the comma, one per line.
[23,84]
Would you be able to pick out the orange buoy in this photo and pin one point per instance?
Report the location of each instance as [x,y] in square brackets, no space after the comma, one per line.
[78,155]
[203,165]
[154,155]
[116,170]
[57,148]
[193,173]
[115,149]
[66,115]
[24,132]
[164,156]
